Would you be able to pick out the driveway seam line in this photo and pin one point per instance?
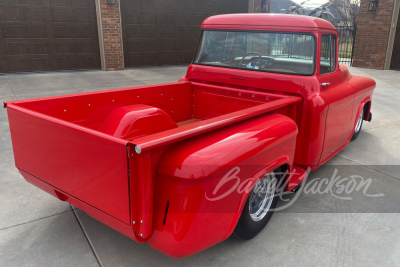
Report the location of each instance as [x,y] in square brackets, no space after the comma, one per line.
[8,81]
[87,238]
[366,166]
[136,78]
[5,228]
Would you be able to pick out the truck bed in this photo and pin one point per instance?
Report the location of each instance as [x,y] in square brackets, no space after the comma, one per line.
[181,101]
[59,146]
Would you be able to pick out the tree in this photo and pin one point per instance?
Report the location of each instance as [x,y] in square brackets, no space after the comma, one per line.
[301,9]
[348,10]
[322,12]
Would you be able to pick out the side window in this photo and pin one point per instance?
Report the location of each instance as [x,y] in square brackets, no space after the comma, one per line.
[328,53]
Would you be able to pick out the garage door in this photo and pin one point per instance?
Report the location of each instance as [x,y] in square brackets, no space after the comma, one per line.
[166,32]
[38,35]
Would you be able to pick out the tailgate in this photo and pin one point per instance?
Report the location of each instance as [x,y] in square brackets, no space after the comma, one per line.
[75,160]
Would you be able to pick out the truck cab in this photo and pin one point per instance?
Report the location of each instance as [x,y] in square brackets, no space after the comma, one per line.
[291,55]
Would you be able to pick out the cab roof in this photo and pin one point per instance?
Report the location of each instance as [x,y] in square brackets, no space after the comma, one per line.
[265,20]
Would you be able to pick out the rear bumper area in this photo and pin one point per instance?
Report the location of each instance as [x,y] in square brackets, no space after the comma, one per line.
[90,210]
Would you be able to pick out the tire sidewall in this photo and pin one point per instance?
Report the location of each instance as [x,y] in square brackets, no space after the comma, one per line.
[246,228]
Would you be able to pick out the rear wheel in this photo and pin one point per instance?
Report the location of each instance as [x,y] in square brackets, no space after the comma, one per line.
[258,209]
[358,127]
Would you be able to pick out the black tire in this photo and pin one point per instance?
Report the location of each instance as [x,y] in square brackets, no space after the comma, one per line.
[357,130]
[246,227]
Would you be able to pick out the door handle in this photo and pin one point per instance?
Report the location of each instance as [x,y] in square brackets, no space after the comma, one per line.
[325,84]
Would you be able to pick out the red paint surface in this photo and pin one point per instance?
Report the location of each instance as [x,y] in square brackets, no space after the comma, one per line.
[129,122]
[254,21]
[90,166]
[82,148]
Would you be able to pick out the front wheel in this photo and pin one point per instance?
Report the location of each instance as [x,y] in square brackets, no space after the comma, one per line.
[358,127]
[258,209]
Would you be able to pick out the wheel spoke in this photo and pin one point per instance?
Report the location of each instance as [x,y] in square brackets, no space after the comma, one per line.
[358,125]
[261,197]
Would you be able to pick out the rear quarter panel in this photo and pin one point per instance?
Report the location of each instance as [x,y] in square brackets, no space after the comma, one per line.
[205,181]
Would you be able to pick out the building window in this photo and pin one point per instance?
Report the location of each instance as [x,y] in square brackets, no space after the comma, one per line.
[373,4]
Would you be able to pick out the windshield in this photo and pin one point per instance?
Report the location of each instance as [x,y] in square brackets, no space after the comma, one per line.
[291,53]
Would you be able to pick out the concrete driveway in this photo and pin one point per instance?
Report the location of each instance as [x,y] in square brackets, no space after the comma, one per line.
[317,230]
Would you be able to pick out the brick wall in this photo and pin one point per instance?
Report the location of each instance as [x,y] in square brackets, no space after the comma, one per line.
[112,35]
[373,35]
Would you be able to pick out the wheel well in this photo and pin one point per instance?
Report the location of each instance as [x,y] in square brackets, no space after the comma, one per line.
[282,171]
[366,110]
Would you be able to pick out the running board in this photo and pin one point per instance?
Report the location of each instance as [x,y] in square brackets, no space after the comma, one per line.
[296,176]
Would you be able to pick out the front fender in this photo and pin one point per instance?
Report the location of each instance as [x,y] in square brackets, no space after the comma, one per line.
[202,183]
[367,101]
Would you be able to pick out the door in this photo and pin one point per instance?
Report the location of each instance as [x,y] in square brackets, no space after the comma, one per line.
[340,96]
[45,35]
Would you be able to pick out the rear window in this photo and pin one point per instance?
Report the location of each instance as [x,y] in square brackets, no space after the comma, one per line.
[290,53]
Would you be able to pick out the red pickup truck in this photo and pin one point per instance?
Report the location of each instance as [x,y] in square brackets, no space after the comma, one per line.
[185,165]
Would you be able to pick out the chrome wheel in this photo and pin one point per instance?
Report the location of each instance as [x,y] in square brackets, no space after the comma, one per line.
[359,123]
[261,197]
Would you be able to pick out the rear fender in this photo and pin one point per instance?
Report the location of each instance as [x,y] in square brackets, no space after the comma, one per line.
[211,153]
[202,183]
